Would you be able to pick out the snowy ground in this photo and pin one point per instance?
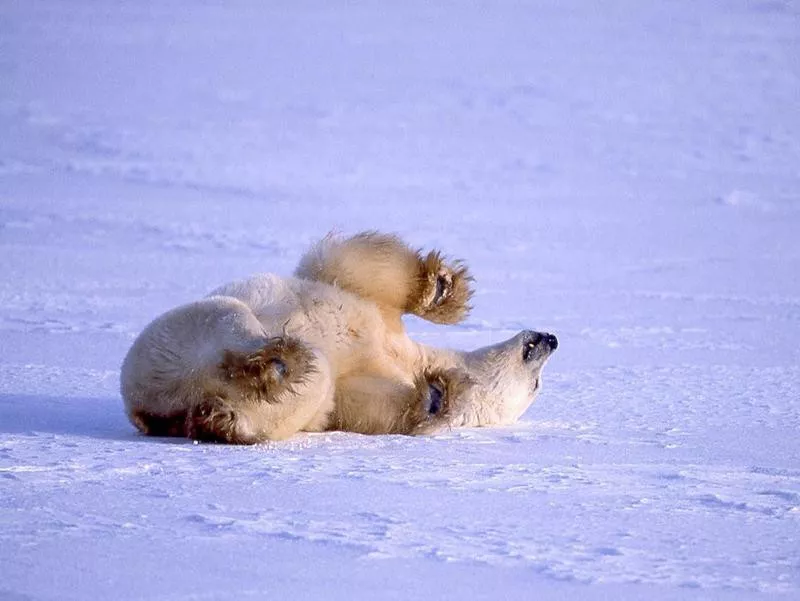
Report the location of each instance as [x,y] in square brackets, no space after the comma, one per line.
[625,174]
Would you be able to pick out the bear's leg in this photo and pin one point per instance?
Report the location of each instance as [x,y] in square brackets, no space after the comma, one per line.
[268,394]
[383,269]
[378,405]
[209,370]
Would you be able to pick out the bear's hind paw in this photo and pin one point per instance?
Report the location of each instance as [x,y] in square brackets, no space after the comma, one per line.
[443,290]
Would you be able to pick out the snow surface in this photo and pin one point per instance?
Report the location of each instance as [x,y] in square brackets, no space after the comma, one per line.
[625,174]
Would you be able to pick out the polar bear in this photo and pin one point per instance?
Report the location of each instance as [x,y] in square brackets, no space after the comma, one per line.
[267,357]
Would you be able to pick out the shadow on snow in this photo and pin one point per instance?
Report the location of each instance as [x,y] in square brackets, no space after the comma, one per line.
[91,417]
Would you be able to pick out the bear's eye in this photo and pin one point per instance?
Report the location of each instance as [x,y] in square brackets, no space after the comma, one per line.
[527,351]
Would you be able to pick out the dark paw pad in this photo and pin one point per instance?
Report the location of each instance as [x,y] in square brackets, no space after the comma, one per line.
[444,284]
[435,398]
[277,369]
[279,365]
[439,392]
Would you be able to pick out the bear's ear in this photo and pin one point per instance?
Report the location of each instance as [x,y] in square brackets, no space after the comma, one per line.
[443,290]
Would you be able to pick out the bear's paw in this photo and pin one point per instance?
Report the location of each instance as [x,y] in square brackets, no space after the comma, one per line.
[277,367]
[443,290]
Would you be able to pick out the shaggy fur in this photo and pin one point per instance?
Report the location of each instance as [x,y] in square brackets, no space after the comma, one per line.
[383,269]
[264,358]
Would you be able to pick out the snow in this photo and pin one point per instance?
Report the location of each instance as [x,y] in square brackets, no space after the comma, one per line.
[626,176]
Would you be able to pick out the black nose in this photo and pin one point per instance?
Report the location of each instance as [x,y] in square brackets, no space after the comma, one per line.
[551,341]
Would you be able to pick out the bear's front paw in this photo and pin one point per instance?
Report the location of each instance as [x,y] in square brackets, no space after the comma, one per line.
[437,392]
[213,420]
[443,290]
[277,366]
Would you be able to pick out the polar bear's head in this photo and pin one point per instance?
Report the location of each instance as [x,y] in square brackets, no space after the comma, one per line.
[498,383]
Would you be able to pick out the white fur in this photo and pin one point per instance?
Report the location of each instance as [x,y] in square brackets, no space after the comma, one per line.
[365,370]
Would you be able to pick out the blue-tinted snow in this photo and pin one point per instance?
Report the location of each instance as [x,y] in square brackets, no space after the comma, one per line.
[626,175]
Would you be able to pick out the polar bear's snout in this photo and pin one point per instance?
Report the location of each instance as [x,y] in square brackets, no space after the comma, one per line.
[542,337]
[534,344]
